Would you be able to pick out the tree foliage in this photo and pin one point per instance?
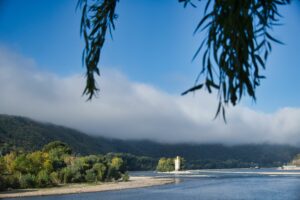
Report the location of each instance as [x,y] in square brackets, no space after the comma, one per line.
[165,165]
[58,147]
[39,168]
[235,49]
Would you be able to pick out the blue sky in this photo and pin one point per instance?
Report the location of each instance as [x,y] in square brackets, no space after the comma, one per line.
[144,69]
[153,43]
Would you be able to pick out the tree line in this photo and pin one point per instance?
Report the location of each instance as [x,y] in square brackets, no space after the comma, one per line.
[55,165]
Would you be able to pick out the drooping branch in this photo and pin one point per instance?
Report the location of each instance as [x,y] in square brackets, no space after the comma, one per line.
[236,47]
[97,17]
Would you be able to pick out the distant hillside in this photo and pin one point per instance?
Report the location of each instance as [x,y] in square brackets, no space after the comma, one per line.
[32,135]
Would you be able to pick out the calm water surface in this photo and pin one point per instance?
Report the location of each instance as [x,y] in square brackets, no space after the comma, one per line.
[206,184]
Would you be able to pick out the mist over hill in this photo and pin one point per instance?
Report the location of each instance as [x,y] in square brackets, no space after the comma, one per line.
[29,135]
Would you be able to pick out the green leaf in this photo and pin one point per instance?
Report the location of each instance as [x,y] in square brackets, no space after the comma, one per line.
[273,39]
[198,50]
[197,87]
[202,21]
[218,110]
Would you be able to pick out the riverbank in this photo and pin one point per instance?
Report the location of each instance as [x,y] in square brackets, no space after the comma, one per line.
[134,182]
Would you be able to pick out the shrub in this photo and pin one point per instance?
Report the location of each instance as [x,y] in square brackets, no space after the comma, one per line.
[54,178]
[91,160]
[12,181]
[43,179]
[3,184]
[125,177]
[165,165]
[72,175]
[67,175]
[77,177]
[101,170]
[90,176]
[113,174]
[27,181]
[58,164]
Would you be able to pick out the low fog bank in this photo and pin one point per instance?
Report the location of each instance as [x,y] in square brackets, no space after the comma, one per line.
[131,110]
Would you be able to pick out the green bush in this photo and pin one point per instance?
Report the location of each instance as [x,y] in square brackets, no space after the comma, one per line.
[77,177]
[27,181]
[91,160]
[90,176]
[43,179]
[165,165]
[113,174]
[54,178]
[72,175]
[125,177]
[3,184]
[58,164]
[12,181]
[66,175]
[101,170]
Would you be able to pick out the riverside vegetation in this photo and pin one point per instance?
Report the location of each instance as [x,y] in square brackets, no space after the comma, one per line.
[55,165]
[21,134]
[168,164]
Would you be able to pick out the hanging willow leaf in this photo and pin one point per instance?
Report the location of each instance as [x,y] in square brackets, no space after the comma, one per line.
[218,110]
[237,34]
[197,87]
[273,39]
[97,17]
[201,22]
[199,49]
[206,6]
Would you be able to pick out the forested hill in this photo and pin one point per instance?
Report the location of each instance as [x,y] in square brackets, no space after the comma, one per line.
[32,135]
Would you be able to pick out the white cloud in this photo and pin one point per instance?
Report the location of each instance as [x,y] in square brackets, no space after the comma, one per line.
[131,110]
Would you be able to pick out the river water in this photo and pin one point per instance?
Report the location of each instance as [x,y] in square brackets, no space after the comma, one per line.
[238,184]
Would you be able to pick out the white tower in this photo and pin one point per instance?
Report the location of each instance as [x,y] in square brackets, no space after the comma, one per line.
[177,163]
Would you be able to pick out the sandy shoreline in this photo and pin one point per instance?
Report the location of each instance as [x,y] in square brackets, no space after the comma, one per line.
[134,182]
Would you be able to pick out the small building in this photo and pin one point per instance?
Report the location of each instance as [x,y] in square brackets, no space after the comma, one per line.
[177,163]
